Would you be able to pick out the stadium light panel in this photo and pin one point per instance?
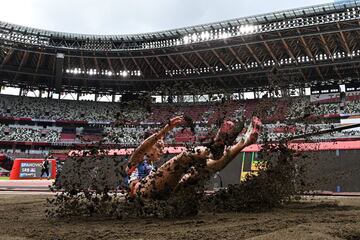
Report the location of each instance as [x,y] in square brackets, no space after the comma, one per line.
[224,35]
[186,40]
[194,37]
[205,36]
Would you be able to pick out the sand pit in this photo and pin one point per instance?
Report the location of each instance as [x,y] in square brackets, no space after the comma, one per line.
[23,217]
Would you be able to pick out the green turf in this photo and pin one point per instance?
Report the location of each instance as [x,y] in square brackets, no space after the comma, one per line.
[4,178]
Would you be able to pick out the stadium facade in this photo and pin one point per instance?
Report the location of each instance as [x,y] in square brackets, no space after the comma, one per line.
[279,53]
[311,46]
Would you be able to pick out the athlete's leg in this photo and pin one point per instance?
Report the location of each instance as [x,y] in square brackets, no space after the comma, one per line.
[249,138]
[165,179]
[213,166]
[169,175]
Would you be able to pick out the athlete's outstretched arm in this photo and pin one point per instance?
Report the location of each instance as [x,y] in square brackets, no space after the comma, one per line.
[139,153]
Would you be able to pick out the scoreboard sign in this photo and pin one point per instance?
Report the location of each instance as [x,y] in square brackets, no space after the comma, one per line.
[31,169]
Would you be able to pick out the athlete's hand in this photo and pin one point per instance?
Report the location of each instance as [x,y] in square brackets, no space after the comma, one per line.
[176,121]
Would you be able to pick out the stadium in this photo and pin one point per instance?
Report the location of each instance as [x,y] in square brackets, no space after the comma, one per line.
[297,70]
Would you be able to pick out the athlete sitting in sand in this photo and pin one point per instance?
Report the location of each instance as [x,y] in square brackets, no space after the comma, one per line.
[147,182]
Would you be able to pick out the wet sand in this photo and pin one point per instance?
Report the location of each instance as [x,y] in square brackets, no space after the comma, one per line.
[22,217]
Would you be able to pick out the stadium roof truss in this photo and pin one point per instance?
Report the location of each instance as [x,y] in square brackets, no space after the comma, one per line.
[295,48]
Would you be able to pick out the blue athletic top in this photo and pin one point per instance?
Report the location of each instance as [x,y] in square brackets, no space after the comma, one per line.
[140,171]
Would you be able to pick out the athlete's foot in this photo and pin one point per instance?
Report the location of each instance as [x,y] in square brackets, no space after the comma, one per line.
[234,132]
[252,132]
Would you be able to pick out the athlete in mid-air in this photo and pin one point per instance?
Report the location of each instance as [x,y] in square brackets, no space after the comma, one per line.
[147,182]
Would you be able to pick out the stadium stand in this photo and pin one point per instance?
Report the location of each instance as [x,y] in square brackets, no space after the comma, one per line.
[131,125]
[28,134]
[271,54]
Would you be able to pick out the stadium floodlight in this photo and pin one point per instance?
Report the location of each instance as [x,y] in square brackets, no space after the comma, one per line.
[249,29]
[194,37]
[242,30]
[205,36]
[186,40]
[224,35]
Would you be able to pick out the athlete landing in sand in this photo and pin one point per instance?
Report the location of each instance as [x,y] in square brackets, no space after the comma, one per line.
[147,182]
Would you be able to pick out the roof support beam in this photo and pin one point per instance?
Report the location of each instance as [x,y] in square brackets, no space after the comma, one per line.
[82,62]
[138,67]
[202,59]
[37,65]
[123,64]
[142,75]
[7,57]
[151,67]
[176,65]
[270,51]
[223,83]
[238,58]
[68,61]
[96,65]
[291,54]
[254,56]
[205,62]
[307,49]
[237,80]
[327,49]
[162,64]
[308,52]
[126,69]
[344,40]
[189,63]
[23,60]
[110,65]
[221,60]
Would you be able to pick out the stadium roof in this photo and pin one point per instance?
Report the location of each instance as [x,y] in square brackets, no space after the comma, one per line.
[180,32]
[299,47]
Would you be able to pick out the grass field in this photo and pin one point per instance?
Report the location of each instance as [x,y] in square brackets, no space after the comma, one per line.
[4,178]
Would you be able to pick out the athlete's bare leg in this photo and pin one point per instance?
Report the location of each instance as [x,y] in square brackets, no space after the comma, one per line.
[165,179]
[170,174]
[213,166]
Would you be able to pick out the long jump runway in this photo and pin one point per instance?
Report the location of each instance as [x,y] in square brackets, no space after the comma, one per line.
[43,187]
[26,185]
